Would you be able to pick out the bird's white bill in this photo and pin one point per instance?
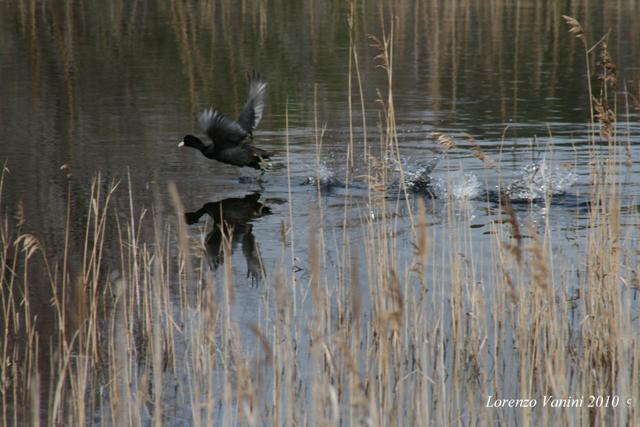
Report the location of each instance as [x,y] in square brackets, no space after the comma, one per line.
[181,143]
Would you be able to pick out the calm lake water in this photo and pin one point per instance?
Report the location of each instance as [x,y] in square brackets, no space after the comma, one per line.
[111,87]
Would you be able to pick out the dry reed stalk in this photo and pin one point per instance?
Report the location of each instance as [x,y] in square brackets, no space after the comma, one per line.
[516,249]
[576,28]
[478,153]
[356,66]
[445,141]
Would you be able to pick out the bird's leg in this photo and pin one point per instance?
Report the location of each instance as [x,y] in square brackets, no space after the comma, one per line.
[264,164]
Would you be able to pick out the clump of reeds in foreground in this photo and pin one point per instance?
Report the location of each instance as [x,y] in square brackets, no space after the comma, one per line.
[371,334]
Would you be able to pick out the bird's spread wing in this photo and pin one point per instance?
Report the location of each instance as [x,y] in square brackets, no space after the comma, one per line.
[223,131]
[252,112]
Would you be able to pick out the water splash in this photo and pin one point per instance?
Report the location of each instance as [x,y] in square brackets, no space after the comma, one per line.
[457,186]
[539,179]
[324,177]
[417,178]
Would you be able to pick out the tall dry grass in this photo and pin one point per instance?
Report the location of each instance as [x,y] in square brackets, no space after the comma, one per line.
[403,327]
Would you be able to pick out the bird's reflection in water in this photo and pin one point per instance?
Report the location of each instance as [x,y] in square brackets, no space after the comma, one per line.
[231,223]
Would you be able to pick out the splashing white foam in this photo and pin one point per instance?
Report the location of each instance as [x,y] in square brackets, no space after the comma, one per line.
[539,179]
[324,176]
[458,186]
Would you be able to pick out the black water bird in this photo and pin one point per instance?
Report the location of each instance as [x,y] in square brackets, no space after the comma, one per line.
[231,139]
[231,223]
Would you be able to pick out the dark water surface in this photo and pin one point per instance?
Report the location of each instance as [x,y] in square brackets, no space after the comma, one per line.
[111,87]
[106,87]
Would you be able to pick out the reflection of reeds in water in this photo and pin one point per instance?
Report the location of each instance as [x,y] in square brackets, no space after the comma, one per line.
[374,335]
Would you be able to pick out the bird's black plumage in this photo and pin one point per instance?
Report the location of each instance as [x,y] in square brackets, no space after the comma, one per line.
[230,139]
